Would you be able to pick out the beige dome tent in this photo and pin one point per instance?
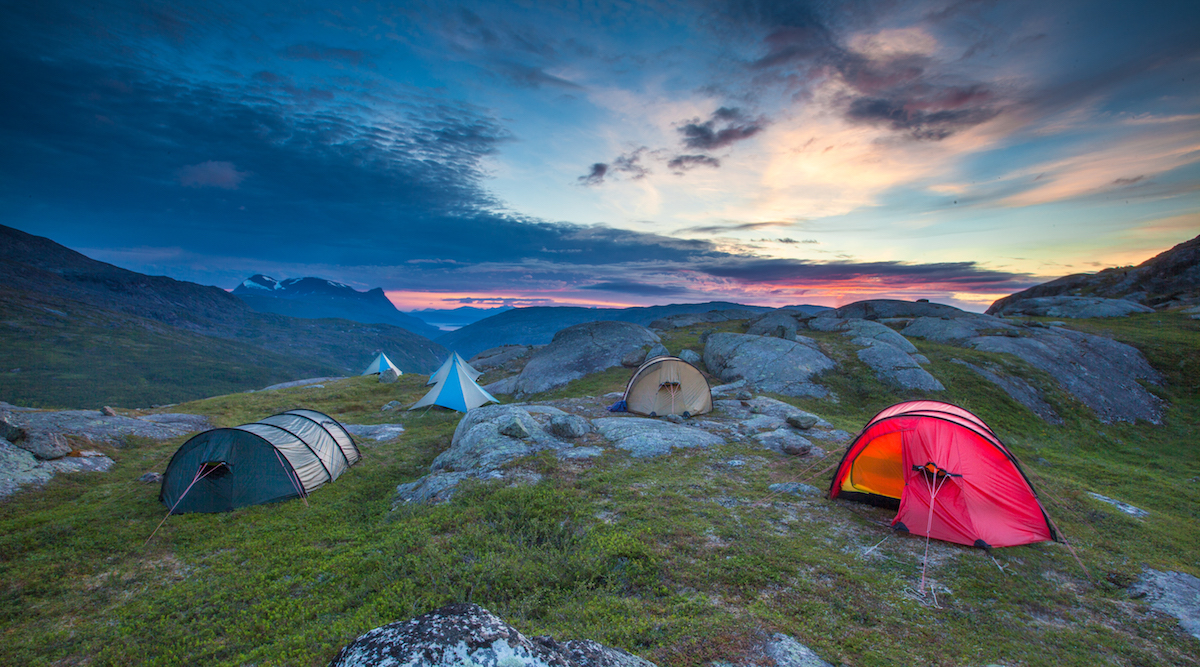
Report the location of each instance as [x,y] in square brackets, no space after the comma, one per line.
[668,386]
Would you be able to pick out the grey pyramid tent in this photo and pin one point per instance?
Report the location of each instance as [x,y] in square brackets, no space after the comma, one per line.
[442,372]
[668,386]
[457,391]
[284,456]
[381,364]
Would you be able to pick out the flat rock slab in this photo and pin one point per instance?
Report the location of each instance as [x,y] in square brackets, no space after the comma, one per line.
[771,364]
[20,468]
[95,427]
[1017,389]
[1125,507]
[1073,307]
[1173,593]
[467,634]
[778,650]
[379,432]
[1102,373]
[649,437]
[301,383]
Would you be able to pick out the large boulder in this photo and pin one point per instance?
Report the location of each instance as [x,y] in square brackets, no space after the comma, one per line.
[892,356]
[580,350]
[498,356]
[467,634]
[485,441]
[771,364]
[1017,389]
[958,329]
[1071,307]
[643,437]
[777,323]
[688,319]
[878,309]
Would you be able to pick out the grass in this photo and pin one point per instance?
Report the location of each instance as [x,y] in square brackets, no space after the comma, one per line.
[681,559]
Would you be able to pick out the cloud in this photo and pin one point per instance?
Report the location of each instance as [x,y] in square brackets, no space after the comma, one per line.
[737,227]
[683,163]
[641,289]
[595,176]
[212,174]
[707,136]
[527,76]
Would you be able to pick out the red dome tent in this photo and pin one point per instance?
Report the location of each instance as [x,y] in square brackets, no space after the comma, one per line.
[950,475]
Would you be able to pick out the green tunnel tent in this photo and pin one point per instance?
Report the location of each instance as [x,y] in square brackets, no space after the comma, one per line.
[284,456]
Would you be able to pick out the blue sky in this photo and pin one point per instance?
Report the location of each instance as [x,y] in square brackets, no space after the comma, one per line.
[607,153]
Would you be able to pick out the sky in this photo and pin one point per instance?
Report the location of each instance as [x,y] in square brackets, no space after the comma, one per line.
[606,153]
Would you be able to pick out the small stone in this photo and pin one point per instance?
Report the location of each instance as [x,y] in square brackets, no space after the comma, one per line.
[659,350]
[10,431]
[390,405]
[634,358]
[389,376]
[744,395]
[674,419]
[45,446]
[735,463]
[795,449]
[690,356]
[802,421]
[108,412]
[569,426]
[515,429]
[795,488]
[151,478]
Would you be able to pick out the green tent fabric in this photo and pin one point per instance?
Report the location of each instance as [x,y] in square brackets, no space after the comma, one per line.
[281,457]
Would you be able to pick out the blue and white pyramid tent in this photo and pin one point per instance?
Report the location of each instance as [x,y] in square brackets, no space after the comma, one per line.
[441,373]
[457,390]
[381,364]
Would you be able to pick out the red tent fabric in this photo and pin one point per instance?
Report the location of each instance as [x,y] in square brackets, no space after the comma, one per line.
[952,477]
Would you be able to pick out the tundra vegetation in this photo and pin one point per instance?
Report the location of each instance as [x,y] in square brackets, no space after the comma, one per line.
[682,559]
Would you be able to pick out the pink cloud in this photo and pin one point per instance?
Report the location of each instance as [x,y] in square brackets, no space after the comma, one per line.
[212,174]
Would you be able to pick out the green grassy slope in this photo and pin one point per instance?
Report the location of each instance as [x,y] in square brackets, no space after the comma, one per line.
[682,559]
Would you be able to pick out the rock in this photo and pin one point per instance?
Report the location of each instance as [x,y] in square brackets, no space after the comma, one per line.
[779,650]
[505,386]
[389,376]
[771,364]
[802,421]
[643,437]
[151,478]
[580,350]
[777,323]
[1102,373]
[569,426]
[579,453]
[796,489]
[514,429]
[743,395]
[45,445]
[785,441]
[953,331]
[893,366]
[658,350]
[108,412]
[1123,506]
[1017,389]
[723,389]
[391,405]
[481,448]
[1174,593]
[876,309]
[296,383]
[467,634]
[1070,306]
[11,431]
[690,356]
[377,432]
[90,425]
[18,468]
[688,319]
[674,419]
[634,358]
[498,356]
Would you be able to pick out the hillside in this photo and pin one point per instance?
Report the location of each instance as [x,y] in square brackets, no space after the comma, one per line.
[537,325]
[315,298]
[1169,279]
[684,559]
[84,333]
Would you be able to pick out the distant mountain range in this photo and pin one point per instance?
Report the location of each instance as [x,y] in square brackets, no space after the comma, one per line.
[316,298]
[451,319]
[82,333]
[537,326]
[1170,278]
